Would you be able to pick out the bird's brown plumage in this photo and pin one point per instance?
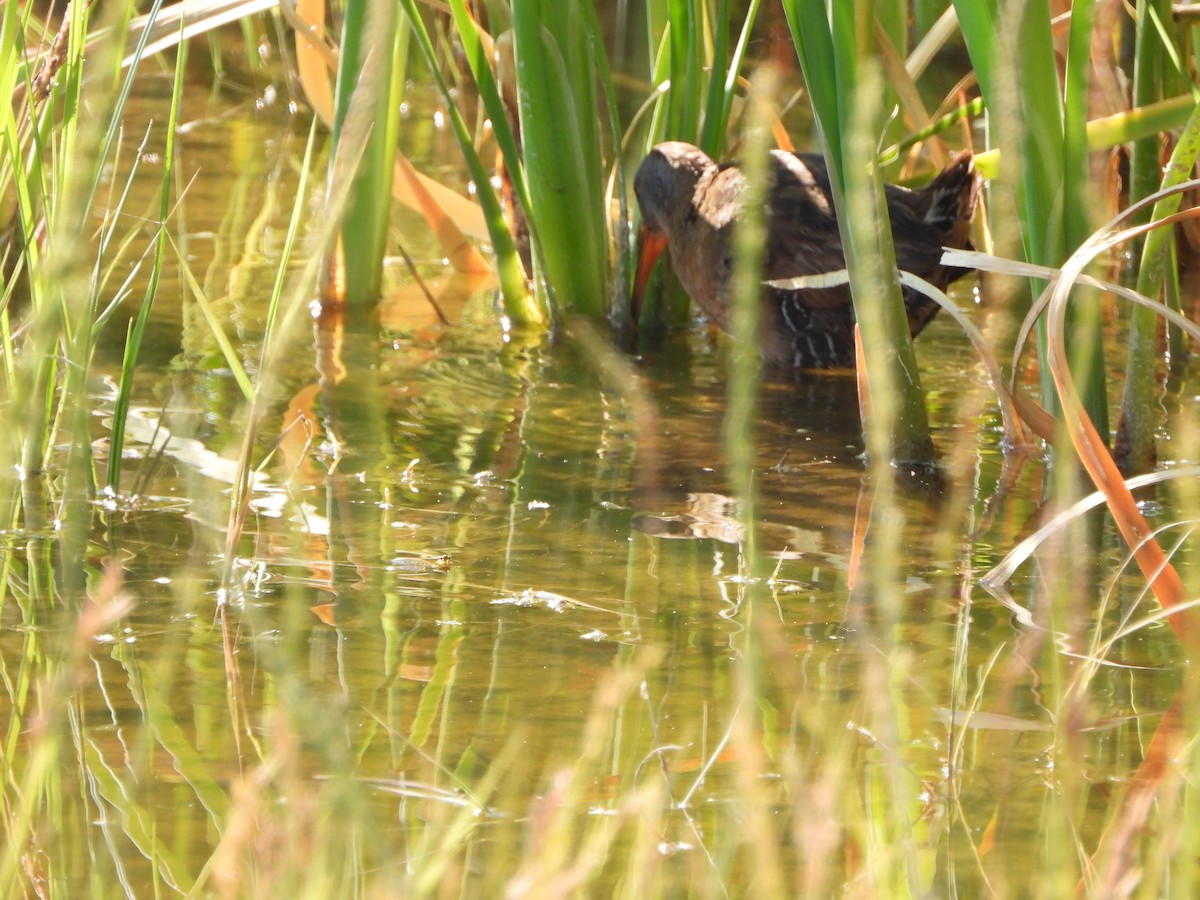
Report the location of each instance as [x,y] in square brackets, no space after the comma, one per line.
[694,203]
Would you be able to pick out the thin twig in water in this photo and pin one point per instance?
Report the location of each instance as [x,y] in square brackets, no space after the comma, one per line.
[412,267]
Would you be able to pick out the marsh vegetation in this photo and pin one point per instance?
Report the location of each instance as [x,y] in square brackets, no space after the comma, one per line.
[354,540]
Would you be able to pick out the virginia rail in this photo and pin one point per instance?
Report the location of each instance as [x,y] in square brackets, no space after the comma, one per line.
[691,204]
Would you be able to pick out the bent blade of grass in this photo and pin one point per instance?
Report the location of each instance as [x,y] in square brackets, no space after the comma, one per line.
[1003,571]
[1038,419]
[1127,625]
[1142,121]
[1133,626]
[367,95]
[1051,275]
[1011,418]
[1168,587]
[932,42]
[1008,411]
[179,23]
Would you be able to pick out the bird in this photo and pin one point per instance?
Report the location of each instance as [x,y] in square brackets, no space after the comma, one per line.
[691,204]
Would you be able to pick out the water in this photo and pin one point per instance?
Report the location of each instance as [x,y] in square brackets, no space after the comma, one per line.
[490,624]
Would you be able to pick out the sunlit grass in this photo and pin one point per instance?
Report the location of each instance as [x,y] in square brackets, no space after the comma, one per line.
[335,711]
[370,86]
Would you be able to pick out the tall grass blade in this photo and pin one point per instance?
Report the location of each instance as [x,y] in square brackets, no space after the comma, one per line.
[561,143]
[745,365]
[520,306]
[1016,62]
[289,245]
[137,328]
[1079,218]
[476,50]
[847,108]
[122,97]
[1140,413]
[808,21]
[370,74]
[684,18]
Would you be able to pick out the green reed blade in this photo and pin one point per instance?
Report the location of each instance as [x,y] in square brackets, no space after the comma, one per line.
[560,131]
[137,329]
[716,118]
[115,114]
[1140,413]
[711,137]
[1079,214]
[827,40]
[493,103]
[619,293]
[659,42]
[289,244]
[683,103]
[1015,67]
[23,196]
[1140,122]
[520,306]
[898,426]
[1139,418]
[12,72]
[808,22]
[228,351]
[370,73]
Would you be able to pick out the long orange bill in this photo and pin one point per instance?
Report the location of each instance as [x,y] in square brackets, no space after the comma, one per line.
[650,248]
